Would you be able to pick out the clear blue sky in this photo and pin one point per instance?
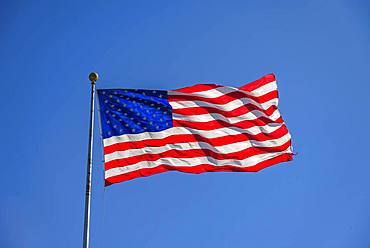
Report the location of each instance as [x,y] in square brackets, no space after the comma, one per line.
[319,51]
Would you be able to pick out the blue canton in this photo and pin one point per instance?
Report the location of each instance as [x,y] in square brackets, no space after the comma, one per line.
[125,111]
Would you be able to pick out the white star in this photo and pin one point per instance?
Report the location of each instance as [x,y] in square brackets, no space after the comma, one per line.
[160,96]
[120,119]
[117,100]
[103,92]
[110,96]
[126,124]
[112,105]
[115,92]
[158,108]
[125,113]
[133,130]
[144,93]
[138,114]
[108,121]
[107,111]
[154,92]
[115,126]
[106,101]
[119,109]
[150,122]
[113,115]
[157,127]
[144,118]
[154,115]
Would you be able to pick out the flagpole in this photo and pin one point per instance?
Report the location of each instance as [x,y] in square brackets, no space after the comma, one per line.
[93,77]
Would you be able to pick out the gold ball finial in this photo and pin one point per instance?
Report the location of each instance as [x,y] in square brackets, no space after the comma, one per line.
[93,77]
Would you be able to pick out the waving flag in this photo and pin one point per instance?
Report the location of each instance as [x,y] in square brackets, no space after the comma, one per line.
[201,128]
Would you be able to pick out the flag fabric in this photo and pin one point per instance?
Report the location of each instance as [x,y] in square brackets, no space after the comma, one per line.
[201,128]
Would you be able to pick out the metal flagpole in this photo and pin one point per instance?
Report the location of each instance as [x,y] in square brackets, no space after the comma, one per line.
[93,78]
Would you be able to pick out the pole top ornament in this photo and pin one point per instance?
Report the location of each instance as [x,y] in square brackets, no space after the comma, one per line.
[93,77]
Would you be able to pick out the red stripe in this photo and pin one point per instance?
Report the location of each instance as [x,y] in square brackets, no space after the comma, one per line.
[196,169]
[259,83]
[211,125]
[225,98]
[233,113]
[185,138]
[248,87]
[195,153]
[198,88]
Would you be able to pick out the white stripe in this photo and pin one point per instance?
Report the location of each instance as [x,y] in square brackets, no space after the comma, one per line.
[267,88]
[224,149]
[232,120]
[222,90]
[189,162]
[215,133]
[226,106]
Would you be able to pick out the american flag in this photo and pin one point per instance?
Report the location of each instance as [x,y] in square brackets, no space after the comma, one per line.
[201,128]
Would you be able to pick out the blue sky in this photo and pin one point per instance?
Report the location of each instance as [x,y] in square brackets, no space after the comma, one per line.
[319,51]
